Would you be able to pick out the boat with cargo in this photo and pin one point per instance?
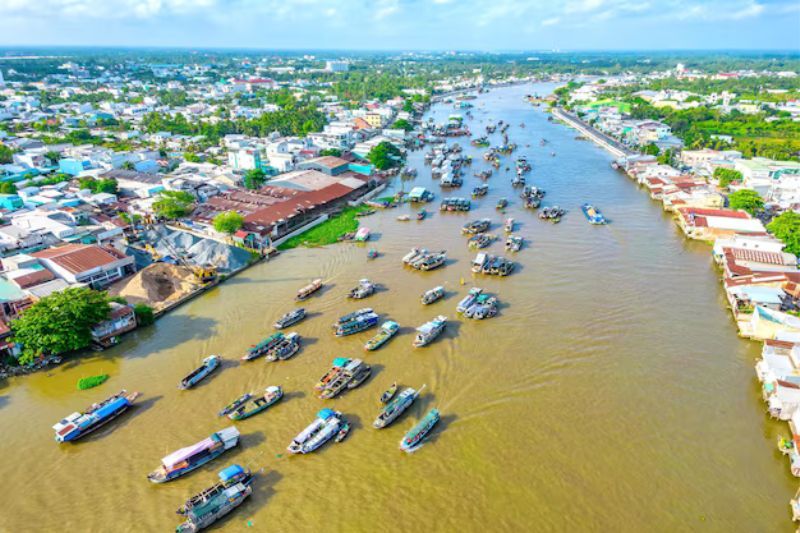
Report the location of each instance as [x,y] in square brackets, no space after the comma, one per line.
[257,403]
[347,375]
[480,190]
[364,288]
[200,373]
[502,203]
[80,424]
[185,460]
[389,393]
[514,243]
[481,240]
[309,289]
[325,427]
[396,407]
[428,331]
[285,349]
[593,215]
[432,295]
[388,330]
[469,299]
[291,318]
[358,324]
[257,350]
[204,509]
[413,439]
[476,226]
[484,306]
[430,261]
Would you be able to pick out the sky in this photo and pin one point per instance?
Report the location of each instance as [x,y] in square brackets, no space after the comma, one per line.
[490,25]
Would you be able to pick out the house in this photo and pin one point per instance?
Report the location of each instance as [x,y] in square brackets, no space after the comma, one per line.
[330,165]
[710,224]
[138,184]
[121,319]
[94,265]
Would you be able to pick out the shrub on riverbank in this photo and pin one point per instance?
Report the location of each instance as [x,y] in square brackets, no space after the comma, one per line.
[328,232]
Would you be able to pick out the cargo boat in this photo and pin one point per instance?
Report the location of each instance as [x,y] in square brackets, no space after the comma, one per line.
[593,215]
[185,460]
[285,349]
[257,350]
[396,407]
[309,289]
[476,226]
[364,288]
[415,436]
[469,299]
[197,375]
[256,404]
[480,241]
[78,425]
[433,295]
[514,243]
[358,324]
[345,374]
[428,331]
[205,508]
[326,426]
[289,319]
[388,330]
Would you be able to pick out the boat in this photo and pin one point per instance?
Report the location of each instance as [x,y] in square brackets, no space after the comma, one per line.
[78,425]
[428,331]
[389,393]
[514,243]
[235,404]
[366,213]
[197,375]
[552,214]
[360,323]
[396,407]
[518,181]
[263,347]
[502,203]
[593,215]
[492,265]
[364,288]
[205,508]
[433,295]
[509,225]
[372,253]
[481,240]
[469,299]
[413,255]
[286,349]
[292,317]
[415,436]
[476,226]
[309,289]
[404,218]
[480,190]
[388,330]
[187,459]
[349,317]
[256,404]
[344,430]
[431,261]
[347,374]
[484,306]
[321,430]
[362,235]
[421,214]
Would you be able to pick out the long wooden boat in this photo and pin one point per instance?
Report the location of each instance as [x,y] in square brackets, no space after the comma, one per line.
[396,407]
[204,509]
[256,404]
[325,427]
[256,351]
[388,330]
[289,319]
[185,460]
[78,425]
[413,439]
[197,375]
[309,289]
[286,349]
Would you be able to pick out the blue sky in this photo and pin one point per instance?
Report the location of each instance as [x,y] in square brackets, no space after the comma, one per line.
[406,24]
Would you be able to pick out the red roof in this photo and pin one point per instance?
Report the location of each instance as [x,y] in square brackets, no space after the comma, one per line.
[77,258]
[758,256]
[34,278]
[302,202]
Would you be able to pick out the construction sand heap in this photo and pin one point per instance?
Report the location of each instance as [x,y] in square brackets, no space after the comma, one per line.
[158,285]
[198,251]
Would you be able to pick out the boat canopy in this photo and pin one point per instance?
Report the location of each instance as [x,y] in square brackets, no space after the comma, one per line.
[111,407]
[230,472]
[326,413]
[179,456]
[390,324]
[340,361]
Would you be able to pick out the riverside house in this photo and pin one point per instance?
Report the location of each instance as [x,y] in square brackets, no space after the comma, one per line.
[710,224]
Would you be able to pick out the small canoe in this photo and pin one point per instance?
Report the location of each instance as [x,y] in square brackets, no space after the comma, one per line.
[344,430]
[421,214]
[389,393]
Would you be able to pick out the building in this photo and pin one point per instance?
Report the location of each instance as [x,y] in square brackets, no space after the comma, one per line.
[245,159]
[710,224]
[120,320]
[337,66]
[91,264]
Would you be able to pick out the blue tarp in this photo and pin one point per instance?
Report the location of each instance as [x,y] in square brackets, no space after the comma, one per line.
[326,413]
[230,472]
[111,407]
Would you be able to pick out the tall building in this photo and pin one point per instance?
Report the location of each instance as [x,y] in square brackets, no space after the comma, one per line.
[336,66]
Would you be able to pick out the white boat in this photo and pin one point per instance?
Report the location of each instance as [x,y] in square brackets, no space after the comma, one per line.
[320,431]
[428,331]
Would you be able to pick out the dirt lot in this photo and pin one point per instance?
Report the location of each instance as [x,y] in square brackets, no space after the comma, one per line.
[158,285]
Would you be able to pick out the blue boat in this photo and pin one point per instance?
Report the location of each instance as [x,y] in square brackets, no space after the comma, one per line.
[593,215]
[79,425]
[415,436]
[197,375]
[358,324]
[185,460]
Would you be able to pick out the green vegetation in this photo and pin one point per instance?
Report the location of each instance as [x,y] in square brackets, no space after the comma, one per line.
[107,185]
[7,187]
[144,314]
[746,199]
[402,124]
[254,178]
[786,227]
[60,322]
[173,204]
[92,381]
[726,176]
[328,232]
[330,151]
[6,154]
[228,222]
[385,155]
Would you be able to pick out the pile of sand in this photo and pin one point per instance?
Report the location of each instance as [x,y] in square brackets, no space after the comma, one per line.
[198,251]
[157,285]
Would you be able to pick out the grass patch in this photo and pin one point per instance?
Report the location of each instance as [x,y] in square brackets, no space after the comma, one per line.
[328,232]
[91,381]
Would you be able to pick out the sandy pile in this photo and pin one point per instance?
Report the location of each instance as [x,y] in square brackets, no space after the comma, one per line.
[158,285]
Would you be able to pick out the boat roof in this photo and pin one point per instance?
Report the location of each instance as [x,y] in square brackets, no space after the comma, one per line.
[110,407]
[326,413]
[230,472]
[340,361]
[183,454]
[389,324]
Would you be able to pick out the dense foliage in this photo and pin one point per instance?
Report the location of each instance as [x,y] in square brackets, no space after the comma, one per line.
[144,314]
[7,187]
[228,222]
[173,204]
[254,178]
[6,154]
[98,185]
[385,155]
[746,199]
[786,227]
[60,322]
[726,176]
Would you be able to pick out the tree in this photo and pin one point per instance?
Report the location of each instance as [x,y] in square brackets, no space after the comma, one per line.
[6,154]
[52,156]
[330,151]
[385,155]
[106,185]
[60,322]
[228,222]
[786,227]
[254,178]
[7,187]
[144,314]
[726,176]
[402,124]
[408,106]
[173,204]
[650,149]
[127,165]
[746,199]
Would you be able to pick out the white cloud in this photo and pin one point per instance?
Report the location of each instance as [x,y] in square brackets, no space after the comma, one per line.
[552,21]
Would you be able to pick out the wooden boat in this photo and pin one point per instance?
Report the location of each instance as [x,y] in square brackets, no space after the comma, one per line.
[428,331]
[389,393]
[204,509]
[404,218]
[352,316]
[364,288]
[413,255]
[476,226]
[359,323]
[480,190]
[325,427]
[366,213]
[343,375]
[413,439]
[388,330]
[593,215]
[430,261]
[256,404]
[344,430]
[432,295]
[309,289]
[502,203]
[469,299]
[372,253]
[484,306]
[235,404]
[256,351]
[197,375]
[78,425]
[514,243]
[396,407]
[185,460]
[421,214]
[362,235]
[286,349]
[481,240]
[292,317]
[509,225]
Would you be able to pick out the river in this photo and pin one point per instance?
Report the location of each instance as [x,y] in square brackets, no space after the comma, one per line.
[611,393]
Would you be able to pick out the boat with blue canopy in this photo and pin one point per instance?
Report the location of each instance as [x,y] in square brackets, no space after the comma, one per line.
[78,425]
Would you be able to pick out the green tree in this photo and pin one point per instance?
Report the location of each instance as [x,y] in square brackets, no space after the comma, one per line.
[402,124]
[330,151]
[385,155]
[107,185]
[254,178]
[60,322]
[144,314]
[7,187]
[127,165]
[52,156]
[228,222]
[6,154]
[746,199]
[726,176]
[173,204]
[786,227]
[650,149]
